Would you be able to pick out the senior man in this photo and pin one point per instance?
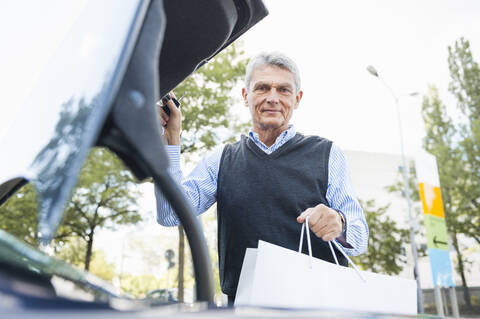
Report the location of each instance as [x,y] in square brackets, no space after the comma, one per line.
[269,181]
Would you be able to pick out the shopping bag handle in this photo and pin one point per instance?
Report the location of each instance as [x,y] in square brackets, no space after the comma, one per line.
[308,240]
[340,248]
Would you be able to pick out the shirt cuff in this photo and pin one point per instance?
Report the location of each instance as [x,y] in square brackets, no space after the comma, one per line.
[173,152]
[342,239]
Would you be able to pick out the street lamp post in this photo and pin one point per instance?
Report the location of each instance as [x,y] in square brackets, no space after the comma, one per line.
[374,72]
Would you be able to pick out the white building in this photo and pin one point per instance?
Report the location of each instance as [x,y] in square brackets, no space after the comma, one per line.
[371,173]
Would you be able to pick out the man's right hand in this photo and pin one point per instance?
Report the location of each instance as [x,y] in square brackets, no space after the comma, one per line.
[172,123]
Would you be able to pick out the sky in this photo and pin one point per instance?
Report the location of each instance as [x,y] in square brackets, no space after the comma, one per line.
[334,41]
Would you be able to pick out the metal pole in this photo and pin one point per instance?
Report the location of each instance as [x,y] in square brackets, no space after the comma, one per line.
[445,301]
[453,300]
[410,217]
[374,72]
[438,301]
[409,204]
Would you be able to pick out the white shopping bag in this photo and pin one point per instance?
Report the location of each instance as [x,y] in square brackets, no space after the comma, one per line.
[273,276]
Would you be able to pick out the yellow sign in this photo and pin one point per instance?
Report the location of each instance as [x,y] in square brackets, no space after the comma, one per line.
[431,200]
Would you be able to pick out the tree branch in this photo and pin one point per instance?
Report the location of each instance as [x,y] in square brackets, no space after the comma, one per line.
[112,216]
[80,210]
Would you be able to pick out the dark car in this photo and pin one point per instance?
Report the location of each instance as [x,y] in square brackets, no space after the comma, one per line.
[109,64]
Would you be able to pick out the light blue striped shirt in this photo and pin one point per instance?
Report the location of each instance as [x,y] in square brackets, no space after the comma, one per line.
[200,187]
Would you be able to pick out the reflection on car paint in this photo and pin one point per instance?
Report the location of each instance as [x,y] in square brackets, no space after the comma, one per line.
[65,112]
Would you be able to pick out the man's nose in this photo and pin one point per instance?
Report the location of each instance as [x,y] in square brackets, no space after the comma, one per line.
[273,96]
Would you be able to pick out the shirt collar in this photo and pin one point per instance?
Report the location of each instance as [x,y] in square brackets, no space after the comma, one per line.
[288,132]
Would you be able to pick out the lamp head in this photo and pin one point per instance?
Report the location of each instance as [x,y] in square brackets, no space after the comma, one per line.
[372,71]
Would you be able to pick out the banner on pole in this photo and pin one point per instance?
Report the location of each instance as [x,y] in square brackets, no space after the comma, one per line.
[434,218]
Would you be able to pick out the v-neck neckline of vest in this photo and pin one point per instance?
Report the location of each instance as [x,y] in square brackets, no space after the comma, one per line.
[257,150]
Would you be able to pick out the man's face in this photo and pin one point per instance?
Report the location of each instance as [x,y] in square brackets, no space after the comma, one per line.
[271,98]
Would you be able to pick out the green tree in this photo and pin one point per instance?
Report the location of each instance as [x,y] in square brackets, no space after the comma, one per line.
[101,267]
[440,138]
[457,149]
[465,84]
[74,251]
[398,187]
[385,243]
[105,197]
[456,146]
[18,215]
[207,100]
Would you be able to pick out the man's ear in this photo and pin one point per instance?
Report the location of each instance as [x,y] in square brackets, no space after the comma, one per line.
[245,96]
[298,98]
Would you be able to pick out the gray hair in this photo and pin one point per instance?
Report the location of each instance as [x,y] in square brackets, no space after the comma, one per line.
[272,59]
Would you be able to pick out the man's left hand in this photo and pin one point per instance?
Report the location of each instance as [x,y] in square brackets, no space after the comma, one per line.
[325,222]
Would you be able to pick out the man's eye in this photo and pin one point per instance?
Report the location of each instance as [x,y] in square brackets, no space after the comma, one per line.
[261,88]
[284,90]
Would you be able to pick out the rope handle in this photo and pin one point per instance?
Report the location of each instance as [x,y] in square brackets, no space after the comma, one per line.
[340,248]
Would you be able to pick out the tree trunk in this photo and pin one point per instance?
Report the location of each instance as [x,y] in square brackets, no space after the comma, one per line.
[477,239]
[181,263]
[88,255]
[461,270]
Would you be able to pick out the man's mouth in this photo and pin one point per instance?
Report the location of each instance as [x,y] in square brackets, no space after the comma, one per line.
[270,111]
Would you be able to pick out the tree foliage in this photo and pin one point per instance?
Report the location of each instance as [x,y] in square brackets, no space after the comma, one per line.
[207,100]
[440,141]
[398,187]
[18,215]
[385,243]
[74,252]
[101,267]
[456,146]
[105,197]
[465,84]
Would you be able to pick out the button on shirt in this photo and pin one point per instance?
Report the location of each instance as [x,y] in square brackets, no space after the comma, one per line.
[200,187]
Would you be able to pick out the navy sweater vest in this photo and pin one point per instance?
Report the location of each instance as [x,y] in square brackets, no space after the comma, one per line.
[259,197]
